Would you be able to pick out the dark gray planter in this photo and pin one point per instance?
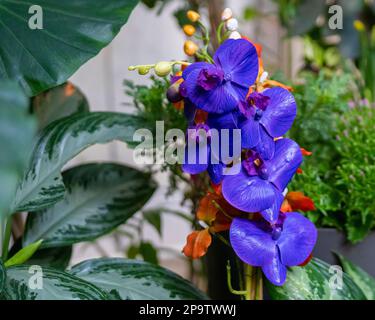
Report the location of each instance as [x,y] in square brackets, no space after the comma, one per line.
[362,254]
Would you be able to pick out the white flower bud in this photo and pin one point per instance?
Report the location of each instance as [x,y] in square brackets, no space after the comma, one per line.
[235,35]
[232,24]
[263,77]
[227,14]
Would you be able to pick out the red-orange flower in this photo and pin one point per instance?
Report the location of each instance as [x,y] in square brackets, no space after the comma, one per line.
[296,200]
[197,244]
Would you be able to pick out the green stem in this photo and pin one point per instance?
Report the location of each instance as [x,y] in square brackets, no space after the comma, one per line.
[249,282]
[219,31]
[259,285]
[6,239]
[229,282]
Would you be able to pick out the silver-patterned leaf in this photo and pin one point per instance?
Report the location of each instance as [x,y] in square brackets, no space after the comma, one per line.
[59,142]
[316,281]
[99,197]
[26,282]
[136,280]
[360,277]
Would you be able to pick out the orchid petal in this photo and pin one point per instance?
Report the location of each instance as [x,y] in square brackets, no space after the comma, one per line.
[217,100]
[275,271]
[280,113]
[272,213]
[252,242]
[250,133]
[249,194]
[297,239]
[239,60]
[284,164]
[266,145]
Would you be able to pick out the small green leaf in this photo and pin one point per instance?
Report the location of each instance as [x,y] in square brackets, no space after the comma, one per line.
[24,254]
[360,277]
[312,282]
[99,198]
[2,275]
[153,217]
[57,103]
[72,33]
[48,284]
[148,252]
[58,143]
[136,280]
[132,252]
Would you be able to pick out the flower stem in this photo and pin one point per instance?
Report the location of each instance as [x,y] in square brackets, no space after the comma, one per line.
[229,282]
[259,285]
[249,288]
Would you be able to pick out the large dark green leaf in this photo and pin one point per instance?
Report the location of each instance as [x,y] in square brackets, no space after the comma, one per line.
[56,285]
[73,32]
[312,282]
[2,275]
[99,198]
[17,128]
[59,142]
[360,277]
[135,280]
[57,103]
[56,258]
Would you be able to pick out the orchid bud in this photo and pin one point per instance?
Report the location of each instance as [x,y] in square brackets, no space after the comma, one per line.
[190,47]
[232,24]
[193,16]
[235,35]
[143,70]
[227,14]
[189,30]
[163,68]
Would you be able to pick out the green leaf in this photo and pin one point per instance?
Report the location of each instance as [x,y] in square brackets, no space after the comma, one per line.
[360,277]
[73,32]
[56,258]
[59,142]
[148,252]
[17,127]
[59,102]
[99,198]
[55,285]
[2,275]
[23,255]
[312,282]
[135,280]
[153,217]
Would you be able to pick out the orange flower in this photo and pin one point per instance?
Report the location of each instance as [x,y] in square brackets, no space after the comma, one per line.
[296,200]
[197,244]
[207,209]
[305,152]
[299,171]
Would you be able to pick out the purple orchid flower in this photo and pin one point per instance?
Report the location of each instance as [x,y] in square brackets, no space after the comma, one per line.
[201,150]
[261,118]
[219,87]
[259,185]
[273,248]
